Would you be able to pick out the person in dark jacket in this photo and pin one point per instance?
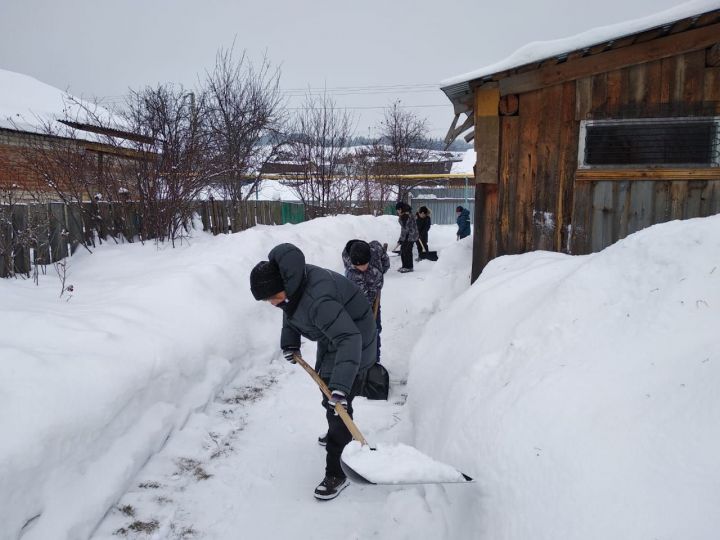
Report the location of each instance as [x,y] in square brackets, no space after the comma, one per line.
[463,222]
[423,224]
[323,306]
[366,265]
[408,235]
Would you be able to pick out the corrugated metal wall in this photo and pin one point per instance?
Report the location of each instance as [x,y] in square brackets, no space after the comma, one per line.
[443,201]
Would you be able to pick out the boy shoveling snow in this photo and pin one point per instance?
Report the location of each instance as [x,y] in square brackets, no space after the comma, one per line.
[323,306]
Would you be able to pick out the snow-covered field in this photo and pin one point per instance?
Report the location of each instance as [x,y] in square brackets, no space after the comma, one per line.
[580,392]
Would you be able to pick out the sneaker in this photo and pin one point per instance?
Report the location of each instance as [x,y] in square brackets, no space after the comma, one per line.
[330,487]
[322,441]
[404,270]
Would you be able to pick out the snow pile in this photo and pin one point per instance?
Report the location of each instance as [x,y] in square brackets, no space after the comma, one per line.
[581,392]
[466,165]
[91,387]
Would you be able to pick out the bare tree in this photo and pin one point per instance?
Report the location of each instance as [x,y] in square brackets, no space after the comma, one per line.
[170,132]
[244,119]
[373,194]
[402,143]
[318,143]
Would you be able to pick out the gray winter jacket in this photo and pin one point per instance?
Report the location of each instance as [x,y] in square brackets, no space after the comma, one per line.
[370,281]
[329,309]
[408,228]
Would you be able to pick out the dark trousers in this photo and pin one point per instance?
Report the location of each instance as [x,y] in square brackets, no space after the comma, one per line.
[406,254]
[338,435]
[422,244]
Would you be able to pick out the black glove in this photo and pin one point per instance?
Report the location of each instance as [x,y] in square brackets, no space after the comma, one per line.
[289,354]
[337,398]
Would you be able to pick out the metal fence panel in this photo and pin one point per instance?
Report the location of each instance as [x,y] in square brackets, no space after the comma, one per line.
[443,210]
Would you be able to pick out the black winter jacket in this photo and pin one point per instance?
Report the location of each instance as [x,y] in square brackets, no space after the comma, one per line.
[423,226]
[329,309]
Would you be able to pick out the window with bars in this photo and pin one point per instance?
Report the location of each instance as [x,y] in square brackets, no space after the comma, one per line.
[675,142]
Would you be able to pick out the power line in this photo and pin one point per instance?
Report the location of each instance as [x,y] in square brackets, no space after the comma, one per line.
[337,90]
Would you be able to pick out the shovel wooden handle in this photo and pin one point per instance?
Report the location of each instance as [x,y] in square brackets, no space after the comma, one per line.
[339,409]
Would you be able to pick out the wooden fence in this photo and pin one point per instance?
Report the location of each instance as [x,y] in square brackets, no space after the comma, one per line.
[227,216]
[40,234]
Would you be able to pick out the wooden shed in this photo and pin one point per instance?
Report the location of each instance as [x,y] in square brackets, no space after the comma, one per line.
[597,137]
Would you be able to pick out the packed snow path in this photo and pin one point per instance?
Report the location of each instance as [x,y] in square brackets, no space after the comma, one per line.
[246,465]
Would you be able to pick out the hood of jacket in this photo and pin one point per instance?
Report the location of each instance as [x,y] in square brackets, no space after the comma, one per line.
[291,262]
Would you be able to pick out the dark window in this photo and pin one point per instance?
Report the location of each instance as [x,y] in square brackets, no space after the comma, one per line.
[675,142]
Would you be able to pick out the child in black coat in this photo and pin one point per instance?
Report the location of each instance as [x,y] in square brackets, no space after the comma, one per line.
[423,224]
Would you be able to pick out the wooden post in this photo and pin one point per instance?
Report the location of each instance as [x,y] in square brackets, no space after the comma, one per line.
[487,134]
[487,147]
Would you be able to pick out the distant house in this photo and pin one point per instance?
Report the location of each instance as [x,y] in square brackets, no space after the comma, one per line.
[585,140]
[27,109]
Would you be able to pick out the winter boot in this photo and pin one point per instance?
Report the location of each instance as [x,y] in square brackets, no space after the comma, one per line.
[404,270]
[322,441]
[330,487]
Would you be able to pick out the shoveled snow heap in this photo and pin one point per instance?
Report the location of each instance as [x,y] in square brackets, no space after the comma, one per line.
[581,392]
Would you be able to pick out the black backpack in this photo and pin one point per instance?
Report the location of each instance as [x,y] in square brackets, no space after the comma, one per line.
[377,382]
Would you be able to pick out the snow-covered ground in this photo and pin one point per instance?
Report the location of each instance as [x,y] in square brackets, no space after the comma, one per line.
[580,392]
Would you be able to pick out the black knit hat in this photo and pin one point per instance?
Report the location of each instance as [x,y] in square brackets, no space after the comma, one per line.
[265,280]
[459,209]
[360,252]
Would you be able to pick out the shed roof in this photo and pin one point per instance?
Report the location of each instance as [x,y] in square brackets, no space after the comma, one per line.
[534,55]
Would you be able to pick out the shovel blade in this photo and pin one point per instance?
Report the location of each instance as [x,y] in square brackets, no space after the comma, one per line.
[396,464]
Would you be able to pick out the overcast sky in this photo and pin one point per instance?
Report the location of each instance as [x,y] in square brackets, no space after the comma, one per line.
[366,52]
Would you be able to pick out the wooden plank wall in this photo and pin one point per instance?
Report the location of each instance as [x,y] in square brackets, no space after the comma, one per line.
[608,209]
[617,208]
[539,204]
[538,159]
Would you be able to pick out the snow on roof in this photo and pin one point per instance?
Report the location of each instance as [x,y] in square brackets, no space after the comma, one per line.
[539,50]
[27,104]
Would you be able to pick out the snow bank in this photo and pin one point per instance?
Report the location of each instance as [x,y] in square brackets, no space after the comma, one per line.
[91,387]
[581,392]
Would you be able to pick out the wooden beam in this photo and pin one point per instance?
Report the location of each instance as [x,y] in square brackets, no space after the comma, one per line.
[454,132]
[601,175]
[487,134]
[656,49]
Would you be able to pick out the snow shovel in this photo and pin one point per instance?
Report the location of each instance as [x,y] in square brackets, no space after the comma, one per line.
[395,464]
[425,254]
